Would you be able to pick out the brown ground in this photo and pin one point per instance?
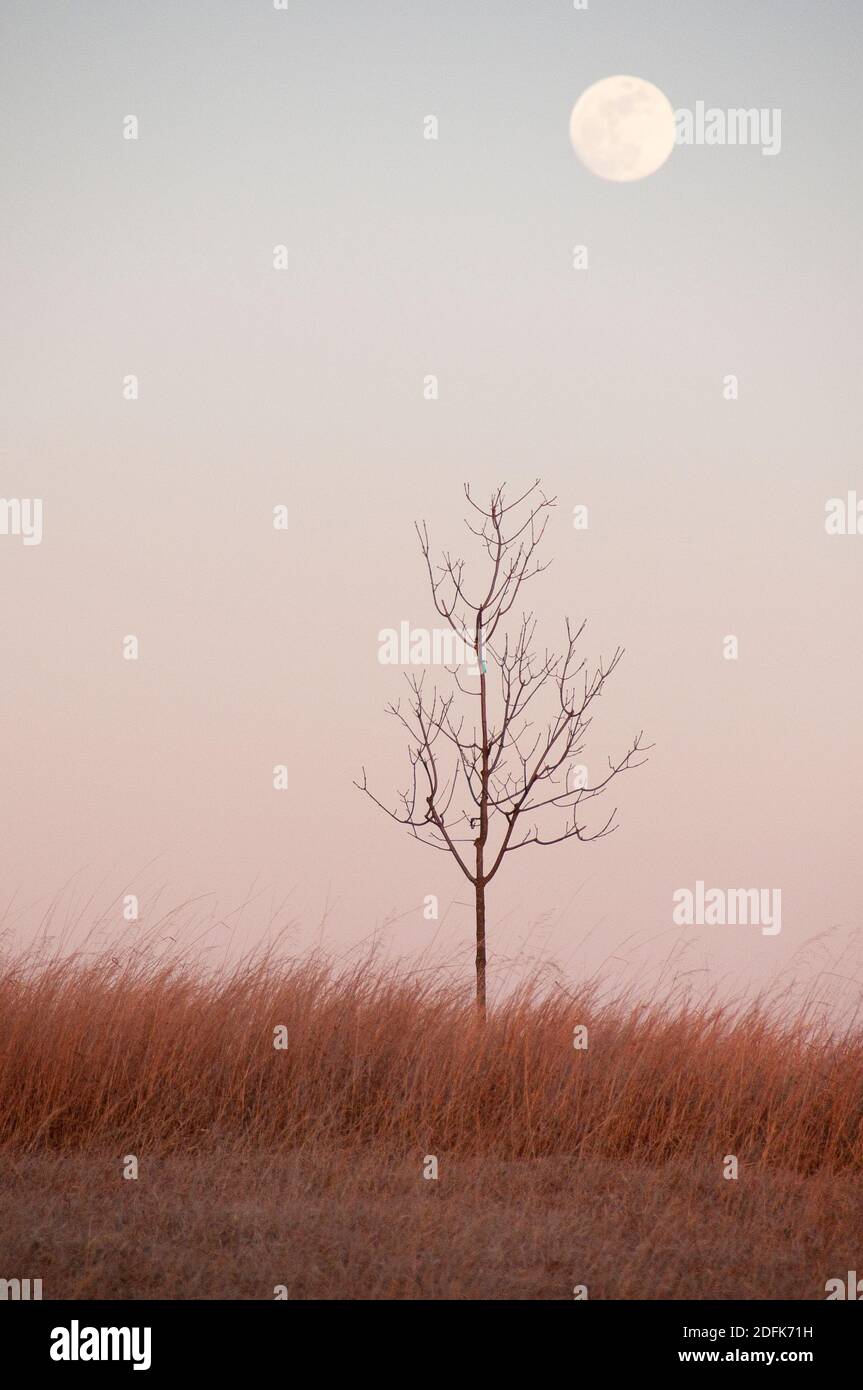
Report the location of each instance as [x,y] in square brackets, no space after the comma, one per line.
[361,1227]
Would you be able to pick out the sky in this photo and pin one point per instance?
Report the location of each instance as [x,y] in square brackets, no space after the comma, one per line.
[303,387]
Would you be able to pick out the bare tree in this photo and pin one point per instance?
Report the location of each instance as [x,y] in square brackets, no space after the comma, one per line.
[488,779]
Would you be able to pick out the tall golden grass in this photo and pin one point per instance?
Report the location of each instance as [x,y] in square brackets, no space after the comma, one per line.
[128,1053]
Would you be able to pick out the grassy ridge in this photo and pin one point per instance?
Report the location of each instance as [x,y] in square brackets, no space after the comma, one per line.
[557,1166]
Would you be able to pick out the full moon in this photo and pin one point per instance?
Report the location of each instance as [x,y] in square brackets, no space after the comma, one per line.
[622,128]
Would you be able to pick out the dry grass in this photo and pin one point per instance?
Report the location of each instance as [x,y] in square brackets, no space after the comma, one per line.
[304,1166]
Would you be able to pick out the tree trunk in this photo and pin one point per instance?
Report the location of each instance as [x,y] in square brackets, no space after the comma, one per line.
[479,842]
[480,950]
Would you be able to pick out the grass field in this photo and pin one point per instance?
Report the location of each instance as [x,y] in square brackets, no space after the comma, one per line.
[303,1166]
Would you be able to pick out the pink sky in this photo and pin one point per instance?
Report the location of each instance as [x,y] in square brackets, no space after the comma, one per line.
[305,387]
